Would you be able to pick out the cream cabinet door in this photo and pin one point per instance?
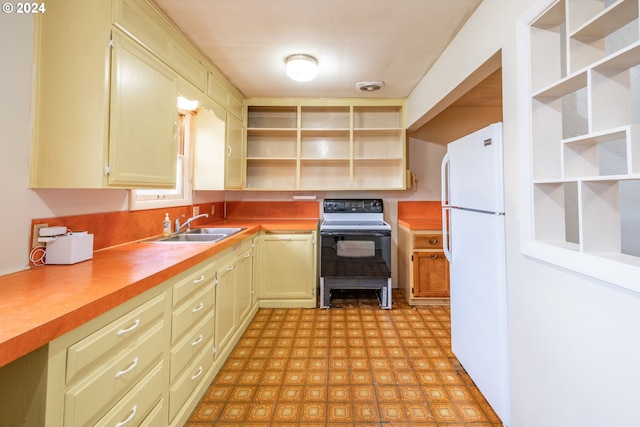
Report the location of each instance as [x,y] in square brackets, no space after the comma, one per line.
[244,282]
[143,129]
[286,266]
[225,313]
[209,151]
[234,175]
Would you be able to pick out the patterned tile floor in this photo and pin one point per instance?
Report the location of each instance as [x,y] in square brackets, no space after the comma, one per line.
[353,365]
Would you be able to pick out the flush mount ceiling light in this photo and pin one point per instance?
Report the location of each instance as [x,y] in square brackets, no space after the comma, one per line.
[301,67]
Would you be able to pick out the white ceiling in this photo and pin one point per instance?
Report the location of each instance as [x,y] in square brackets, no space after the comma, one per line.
[395,41]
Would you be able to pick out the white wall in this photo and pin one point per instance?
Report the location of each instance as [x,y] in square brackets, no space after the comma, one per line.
[574,341]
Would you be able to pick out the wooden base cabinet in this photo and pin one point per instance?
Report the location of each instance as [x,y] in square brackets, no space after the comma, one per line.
[423,270]
[146,362]
[113,368]
[286,269]
[234,290]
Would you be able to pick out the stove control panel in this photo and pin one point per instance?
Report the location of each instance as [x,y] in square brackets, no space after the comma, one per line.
[353,205]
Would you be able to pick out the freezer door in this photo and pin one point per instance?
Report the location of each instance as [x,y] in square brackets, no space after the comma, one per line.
[476,172]
[478,303]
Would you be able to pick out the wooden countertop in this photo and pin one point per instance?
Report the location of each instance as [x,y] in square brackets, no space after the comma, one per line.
[43,303]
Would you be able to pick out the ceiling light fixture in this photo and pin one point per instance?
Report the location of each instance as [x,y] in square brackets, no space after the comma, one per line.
[369,86]
[301,67]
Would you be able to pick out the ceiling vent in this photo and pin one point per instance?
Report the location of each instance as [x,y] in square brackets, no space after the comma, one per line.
[369,86]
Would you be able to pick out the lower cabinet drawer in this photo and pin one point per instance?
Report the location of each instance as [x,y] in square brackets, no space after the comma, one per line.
[184,352]
[136,406]
[92,397]
[157,417]
[191,312]
[187,383]
[427,241]
[110,339]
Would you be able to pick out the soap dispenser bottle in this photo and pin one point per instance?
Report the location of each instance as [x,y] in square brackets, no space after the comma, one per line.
[166,226]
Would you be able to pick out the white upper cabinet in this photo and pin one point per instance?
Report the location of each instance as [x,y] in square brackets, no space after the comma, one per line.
[105,95]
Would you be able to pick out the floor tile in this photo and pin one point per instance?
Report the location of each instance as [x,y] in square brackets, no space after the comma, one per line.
[354,365]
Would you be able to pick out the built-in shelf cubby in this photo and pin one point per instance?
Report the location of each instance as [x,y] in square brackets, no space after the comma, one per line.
[326,145]
[585,128]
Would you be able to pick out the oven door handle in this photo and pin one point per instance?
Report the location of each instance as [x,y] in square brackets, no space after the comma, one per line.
[356,233]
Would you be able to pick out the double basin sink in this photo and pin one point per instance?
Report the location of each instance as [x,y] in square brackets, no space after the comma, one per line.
[200,235]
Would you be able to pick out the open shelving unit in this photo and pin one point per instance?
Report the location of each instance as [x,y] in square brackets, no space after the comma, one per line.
[585,128]
[326,145]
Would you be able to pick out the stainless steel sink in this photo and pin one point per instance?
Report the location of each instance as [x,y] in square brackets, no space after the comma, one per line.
[215,230]
[199,235]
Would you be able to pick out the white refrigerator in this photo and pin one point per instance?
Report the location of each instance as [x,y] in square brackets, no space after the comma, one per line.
[474,243]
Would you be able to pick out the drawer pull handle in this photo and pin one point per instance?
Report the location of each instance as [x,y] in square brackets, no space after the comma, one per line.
[433,256]
[198,341]
[130,328]
[129,369]
[197,373]
[198,280]
[433,242]
[198,308]
[229,268]
[130,417]
[247,255]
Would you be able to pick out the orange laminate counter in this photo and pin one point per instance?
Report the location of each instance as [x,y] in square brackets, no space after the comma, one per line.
[421,223]
[420,215]
[43,303]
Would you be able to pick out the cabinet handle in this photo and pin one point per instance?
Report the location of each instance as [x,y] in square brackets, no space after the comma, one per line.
[433,256]
[198,308]
[231,267]
[198,341]
[229,151]
[175,130]
[285,238]
[197,373]
[247,255]
[433,242]
[198,280]
[130,417]
[129,369]
[130,328]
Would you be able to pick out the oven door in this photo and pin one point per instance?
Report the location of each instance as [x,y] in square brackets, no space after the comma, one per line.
[357,254]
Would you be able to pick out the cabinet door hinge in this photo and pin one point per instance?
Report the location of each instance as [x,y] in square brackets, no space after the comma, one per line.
[412,290]
[215,281]
[214,350]
[107,170]
[411,258]
[110,43]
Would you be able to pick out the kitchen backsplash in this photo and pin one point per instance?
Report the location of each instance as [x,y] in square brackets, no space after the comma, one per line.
[115,228]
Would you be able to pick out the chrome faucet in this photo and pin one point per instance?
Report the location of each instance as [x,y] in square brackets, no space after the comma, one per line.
[187,223]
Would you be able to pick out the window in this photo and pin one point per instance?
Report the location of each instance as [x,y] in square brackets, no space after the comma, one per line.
[181,195]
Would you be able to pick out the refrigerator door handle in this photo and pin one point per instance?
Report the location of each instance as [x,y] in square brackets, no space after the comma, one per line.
[446,210]
[446,207]
[444,180]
